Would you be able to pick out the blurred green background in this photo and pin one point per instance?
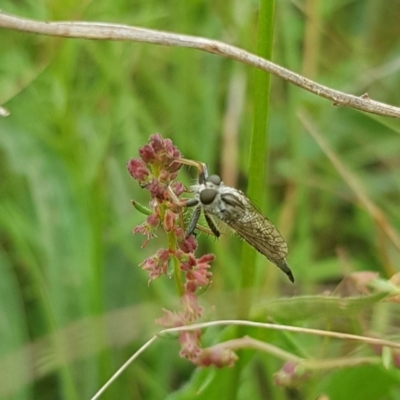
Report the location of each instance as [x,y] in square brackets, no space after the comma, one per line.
[74,303]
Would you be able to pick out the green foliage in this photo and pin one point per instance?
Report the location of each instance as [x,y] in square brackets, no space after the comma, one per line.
[75,305]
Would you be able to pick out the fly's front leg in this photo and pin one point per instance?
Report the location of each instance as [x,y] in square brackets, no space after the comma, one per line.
[195,216]
[193,221]
[203,173]
[201,168]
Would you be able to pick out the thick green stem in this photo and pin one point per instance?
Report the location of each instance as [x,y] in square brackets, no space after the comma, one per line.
[259,143]
[257,169]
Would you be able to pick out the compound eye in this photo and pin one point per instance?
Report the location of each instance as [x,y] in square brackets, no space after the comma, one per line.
[207,196]
[215,179]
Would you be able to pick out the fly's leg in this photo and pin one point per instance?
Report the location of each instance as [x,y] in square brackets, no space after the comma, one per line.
[211,224]
[181,203]
[193,221]
[201,168]
[195,217]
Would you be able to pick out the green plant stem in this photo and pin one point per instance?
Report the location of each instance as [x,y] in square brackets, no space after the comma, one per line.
[257,170]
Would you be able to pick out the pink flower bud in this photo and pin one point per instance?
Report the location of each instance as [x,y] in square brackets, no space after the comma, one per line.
[169,220]
[170,319]
[156,142]
[138,169]
[217,356]
[178,188]
[289,375]
[188,245]
[190,342]
[191,307]
[157,190]
[147,154]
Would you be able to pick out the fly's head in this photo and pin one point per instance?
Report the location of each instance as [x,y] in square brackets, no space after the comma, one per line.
[217,199]
[207,191]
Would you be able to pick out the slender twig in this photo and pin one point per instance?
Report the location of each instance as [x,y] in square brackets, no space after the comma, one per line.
[285,328]
[106,31]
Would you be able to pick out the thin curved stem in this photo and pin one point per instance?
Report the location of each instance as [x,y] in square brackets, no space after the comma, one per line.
[248,342]
[105,31]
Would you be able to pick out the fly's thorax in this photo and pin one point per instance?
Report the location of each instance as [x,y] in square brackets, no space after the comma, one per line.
[234,204]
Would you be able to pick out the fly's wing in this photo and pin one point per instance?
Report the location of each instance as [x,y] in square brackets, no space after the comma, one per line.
[253,227]
[244,218]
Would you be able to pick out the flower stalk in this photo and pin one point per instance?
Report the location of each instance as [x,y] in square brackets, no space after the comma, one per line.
[156,171]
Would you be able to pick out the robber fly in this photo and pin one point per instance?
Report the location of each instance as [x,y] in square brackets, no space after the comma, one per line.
[233,208]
